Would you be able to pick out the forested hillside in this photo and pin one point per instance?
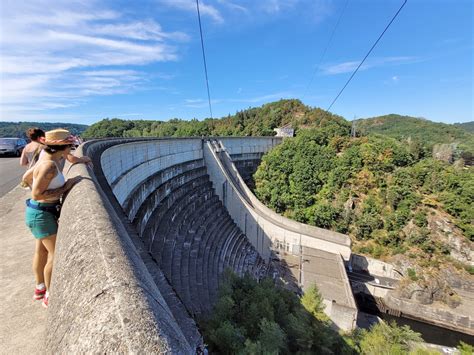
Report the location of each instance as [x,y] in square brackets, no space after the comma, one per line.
[385,193]
[18,129]
[467,126]
[259,121]
[433,135]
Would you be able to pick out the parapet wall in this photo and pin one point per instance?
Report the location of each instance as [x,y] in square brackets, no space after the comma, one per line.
[103,299]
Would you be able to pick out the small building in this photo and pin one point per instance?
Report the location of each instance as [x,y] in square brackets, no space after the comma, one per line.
[285,131]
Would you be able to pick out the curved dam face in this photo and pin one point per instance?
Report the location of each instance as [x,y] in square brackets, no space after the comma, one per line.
[164,189]
[148,233]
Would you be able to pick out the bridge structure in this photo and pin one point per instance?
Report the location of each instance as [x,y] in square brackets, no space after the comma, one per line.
[147,234]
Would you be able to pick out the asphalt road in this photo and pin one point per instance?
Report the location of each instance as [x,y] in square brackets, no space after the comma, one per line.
[10,174]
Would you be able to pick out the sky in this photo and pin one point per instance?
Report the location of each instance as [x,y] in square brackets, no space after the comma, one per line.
[80,61]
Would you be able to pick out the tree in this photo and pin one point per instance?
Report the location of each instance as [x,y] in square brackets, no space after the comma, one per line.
[385,339]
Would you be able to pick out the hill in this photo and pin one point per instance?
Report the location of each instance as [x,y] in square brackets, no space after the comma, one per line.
[18,129]
[467,126]
[394,202]
[426,133]
[256,121]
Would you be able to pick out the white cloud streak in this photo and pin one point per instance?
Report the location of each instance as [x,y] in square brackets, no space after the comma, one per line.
[190,6]
[350,66]
[201,103]
[56,54]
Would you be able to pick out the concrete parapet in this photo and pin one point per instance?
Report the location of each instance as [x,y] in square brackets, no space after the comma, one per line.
[103,299]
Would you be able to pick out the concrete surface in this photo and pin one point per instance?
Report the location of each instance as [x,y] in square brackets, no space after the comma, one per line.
[22,320]
[10,173]
[103,299]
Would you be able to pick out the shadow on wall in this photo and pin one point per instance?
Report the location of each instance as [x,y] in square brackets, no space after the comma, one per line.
[284,275]
[373,266]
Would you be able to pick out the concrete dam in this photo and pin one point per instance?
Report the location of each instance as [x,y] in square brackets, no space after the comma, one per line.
[146,235]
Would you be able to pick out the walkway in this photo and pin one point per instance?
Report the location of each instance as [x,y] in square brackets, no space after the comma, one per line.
[22,320]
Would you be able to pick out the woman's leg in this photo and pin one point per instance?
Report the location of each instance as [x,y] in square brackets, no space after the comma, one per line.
[39,261]
[49,243]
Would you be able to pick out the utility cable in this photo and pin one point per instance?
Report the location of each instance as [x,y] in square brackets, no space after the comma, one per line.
[204,57]
[363,60]
[316,69]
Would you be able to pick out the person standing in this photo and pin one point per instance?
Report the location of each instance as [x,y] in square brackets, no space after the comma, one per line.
[42,211]
[32,150]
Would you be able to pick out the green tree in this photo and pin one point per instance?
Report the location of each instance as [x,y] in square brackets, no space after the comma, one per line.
[385,339]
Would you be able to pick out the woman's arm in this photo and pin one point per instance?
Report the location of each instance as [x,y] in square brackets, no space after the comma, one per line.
[24,159]
[76,160]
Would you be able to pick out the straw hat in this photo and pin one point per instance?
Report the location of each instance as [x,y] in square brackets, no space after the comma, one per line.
[58,137]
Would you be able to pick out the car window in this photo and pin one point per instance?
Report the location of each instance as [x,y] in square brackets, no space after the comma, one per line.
[7,141]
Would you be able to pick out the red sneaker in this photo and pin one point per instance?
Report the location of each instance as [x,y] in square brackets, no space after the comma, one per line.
[45,301]
[39,294]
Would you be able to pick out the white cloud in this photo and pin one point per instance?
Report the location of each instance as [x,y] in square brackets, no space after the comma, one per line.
[349,67]
[233,6]
[55,54]
[201,103]
[395,79]
[275,6]
[190,6]
[194,101]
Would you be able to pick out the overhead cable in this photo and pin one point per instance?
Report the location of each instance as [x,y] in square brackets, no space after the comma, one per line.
[204,58]
[316,69]
[363,60]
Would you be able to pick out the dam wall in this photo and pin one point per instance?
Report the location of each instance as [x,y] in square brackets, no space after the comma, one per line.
[144,239]
[272,234]
[164,190]
[262,225]
[247,157]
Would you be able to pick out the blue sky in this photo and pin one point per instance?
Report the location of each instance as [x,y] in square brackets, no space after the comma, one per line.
[82,61]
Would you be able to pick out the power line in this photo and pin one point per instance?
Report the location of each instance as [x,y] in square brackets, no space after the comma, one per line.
[316,69]
[363,60]
[204,57]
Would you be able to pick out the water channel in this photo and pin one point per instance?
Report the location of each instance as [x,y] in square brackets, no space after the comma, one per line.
[430,333]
